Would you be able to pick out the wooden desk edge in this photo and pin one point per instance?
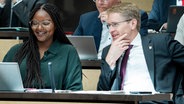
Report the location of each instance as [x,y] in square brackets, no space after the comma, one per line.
[81,97]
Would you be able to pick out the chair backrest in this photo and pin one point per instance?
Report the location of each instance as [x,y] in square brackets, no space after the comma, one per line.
[90,79]
[6,44]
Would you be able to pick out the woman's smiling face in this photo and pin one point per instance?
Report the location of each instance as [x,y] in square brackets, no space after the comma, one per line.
[42,26]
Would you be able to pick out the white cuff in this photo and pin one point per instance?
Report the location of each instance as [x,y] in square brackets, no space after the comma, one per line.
[2,5]
[112,67]
[161,28]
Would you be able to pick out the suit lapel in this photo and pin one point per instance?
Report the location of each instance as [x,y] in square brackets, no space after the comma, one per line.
[149,56]
[119,64]
[117,81]
[5,15]
[97,30]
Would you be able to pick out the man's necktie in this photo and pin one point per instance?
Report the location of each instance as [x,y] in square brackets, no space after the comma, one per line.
[124,64]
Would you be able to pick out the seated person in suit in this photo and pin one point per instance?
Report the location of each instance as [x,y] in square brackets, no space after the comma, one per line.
[20,12]
[47,43]
[179,36]
[155,63]
[157,18]
[91,24]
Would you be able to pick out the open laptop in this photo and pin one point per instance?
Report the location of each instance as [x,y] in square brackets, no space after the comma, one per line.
[10,77]
[85,46]
[174,15]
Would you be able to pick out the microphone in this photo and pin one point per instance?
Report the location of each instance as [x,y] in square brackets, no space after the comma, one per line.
[53,86]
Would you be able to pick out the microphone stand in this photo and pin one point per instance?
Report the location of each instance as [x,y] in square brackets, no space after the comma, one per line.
[53,86]
[11,14]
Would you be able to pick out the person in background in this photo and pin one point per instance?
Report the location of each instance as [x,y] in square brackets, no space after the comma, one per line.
[93,24]
[179,36]
[157,18]
[15,13]
[155,63]
[47,43]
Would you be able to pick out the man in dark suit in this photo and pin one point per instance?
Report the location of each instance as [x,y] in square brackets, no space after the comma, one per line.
[157,17]
[90,23]
[18,16]
[155,63]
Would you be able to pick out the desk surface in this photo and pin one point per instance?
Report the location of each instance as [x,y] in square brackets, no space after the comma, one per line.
[91,64]
[84,96]
[12,34]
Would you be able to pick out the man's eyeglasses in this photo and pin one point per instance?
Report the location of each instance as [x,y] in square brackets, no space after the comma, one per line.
[35,24]
[116,24]
[104,1]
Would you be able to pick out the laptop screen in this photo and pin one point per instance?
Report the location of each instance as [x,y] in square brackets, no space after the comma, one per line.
[174,15]
[10,77]
[85,46]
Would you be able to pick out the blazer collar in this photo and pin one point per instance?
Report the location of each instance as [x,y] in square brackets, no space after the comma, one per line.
[149,56]
[96,28]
